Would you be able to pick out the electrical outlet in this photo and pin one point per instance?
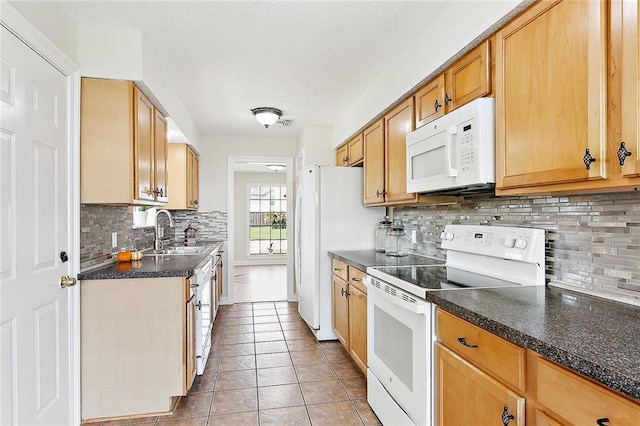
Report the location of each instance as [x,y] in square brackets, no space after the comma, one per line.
[114,239]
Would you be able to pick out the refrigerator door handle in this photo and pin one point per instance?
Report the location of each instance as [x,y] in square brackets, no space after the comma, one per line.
[296,243]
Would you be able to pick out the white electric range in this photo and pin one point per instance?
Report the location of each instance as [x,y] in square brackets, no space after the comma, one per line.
[400,322]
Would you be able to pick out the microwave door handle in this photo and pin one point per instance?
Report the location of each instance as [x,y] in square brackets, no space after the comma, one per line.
[453,130]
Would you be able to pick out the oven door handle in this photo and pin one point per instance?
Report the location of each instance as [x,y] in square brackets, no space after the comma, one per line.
[416,308]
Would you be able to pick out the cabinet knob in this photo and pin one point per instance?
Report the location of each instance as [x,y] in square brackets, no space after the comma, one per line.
[506,417]
[588,159]
[436,105]
[623,153]
[447,99]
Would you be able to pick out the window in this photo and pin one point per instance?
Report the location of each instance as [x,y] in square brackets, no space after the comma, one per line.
[267,219]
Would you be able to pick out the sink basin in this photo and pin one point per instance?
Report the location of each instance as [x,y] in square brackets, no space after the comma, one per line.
[180,250]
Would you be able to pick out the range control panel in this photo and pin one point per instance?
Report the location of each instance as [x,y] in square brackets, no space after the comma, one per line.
[524,244]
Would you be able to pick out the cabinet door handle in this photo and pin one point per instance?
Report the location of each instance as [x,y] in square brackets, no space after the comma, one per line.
[436,105]
[447,99]
[603,421]
[380,193]
[464,343]
[588,159]
[506,417]
[623,153]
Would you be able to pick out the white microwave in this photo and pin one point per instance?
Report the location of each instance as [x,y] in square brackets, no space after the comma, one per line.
[454,153]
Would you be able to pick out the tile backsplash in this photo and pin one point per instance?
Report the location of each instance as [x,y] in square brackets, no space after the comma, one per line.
[97,222]
[592,241]
[210,226]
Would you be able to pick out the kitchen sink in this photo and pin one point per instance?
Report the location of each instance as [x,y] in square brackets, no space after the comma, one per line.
[180,250]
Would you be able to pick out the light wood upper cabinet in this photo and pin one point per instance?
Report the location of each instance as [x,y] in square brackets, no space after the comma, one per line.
[351,153]
[550,96]
[430,101]
[626,12]
[183,183]
[469,78]
[374,163]
[161,151]
[342,158]
[121,154]
[466,395]
[397,124]
[144,143]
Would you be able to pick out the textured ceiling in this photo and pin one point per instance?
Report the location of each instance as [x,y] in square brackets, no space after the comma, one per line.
[311,59]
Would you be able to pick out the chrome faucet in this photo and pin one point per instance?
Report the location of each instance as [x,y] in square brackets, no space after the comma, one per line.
[158,240]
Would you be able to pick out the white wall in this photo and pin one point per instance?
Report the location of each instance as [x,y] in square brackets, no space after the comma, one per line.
[316,141]
[52,21]
[456,26]
[214,150]
[106,52]
[240,208]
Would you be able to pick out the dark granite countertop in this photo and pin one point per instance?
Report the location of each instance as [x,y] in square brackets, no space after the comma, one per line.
[362,259]
[595,337]
[152,266]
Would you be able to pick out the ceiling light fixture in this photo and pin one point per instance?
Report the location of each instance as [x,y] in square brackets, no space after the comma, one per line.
[267,115]
[276,167]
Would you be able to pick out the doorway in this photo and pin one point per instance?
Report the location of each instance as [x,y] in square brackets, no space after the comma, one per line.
[260,239]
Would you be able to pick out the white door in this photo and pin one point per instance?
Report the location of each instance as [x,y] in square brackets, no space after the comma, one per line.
[34,230]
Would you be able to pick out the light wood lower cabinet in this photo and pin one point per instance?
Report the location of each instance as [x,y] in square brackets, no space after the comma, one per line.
[137,345]
[358,326]
[466,395]
[479,375]
[350,311]
[341,310]
[572,399]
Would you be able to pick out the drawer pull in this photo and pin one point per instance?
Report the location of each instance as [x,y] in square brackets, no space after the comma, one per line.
[337,269]
[464,343]
[355,279]
[506,417]
[603,421]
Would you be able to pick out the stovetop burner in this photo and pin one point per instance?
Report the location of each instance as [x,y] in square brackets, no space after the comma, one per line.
[477,257]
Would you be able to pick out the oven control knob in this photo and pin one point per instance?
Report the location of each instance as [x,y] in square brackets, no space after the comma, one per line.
[521,243]
[509,242]
[447,236]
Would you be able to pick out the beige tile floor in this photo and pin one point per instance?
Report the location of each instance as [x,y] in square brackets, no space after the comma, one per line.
[266,368]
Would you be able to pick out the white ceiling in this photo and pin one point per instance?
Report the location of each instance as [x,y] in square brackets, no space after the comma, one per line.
[311,59]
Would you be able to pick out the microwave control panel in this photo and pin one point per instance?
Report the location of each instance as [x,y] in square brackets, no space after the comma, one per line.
[467,151]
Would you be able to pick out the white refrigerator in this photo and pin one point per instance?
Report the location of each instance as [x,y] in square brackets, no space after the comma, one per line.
[329,216]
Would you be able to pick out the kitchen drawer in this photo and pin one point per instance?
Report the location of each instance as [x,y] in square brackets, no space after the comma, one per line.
[356,277]
[340,269]
[501,359]
[580,401]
